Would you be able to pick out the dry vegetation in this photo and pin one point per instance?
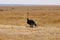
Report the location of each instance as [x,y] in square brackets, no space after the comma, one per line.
[13,23]
[41,14]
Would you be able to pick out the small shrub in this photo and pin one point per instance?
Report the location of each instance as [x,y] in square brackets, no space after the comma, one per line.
[1,10]
[12,8]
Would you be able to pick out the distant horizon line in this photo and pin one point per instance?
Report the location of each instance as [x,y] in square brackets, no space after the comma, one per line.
[26,5]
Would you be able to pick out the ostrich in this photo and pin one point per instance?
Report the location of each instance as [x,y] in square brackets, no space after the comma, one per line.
[30,22]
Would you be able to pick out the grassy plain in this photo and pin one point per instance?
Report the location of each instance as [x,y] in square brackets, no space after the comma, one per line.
[13,23]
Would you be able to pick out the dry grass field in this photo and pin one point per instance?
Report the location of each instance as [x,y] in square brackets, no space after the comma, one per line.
[13,23]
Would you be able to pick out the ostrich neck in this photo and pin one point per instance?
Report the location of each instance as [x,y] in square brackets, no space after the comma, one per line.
[27,15]
[27,18]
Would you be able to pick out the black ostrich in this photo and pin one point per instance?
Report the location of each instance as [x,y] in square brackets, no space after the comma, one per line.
[30,22]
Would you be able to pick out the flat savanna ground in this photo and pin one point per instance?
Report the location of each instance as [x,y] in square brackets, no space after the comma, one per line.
[13,23]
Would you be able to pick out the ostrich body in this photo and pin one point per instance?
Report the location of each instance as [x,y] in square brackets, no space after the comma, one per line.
[31,22]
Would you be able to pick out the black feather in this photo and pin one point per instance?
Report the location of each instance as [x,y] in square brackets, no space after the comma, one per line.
[31,22]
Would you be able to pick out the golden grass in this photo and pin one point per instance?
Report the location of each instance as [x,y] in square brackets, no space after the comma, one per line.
[13,23]
[12,32]
[41,15]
